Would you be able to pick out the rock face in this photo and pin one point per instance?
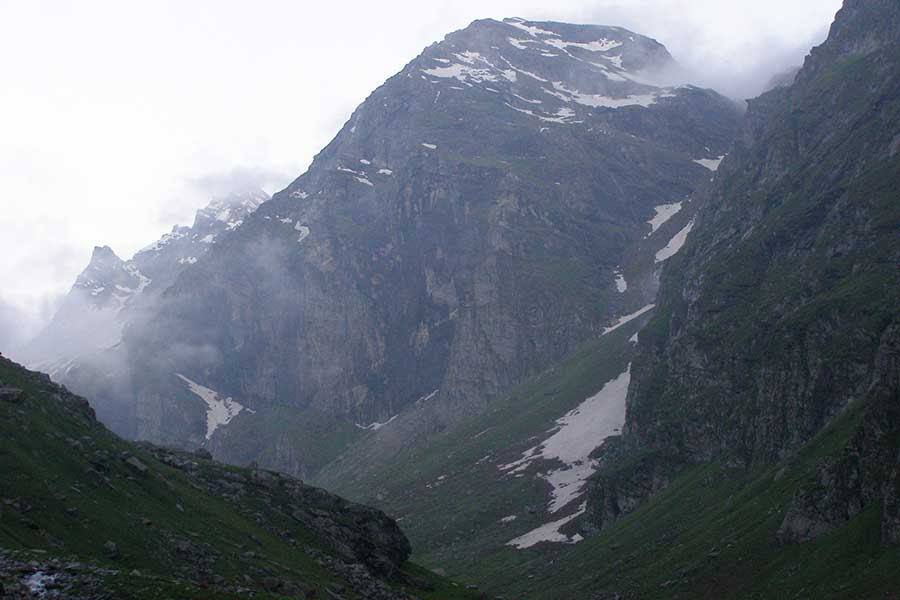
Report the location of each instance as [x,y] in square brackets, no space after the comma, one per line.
[80,346]
[480,214]
[781,312]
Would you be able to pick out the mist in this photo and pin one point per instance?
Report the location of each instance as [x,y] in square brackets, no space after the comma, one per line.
[105,146]
[741,65]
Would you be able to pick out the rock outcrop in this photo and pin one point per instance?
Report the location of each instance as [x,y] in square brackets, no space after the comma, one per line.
[780,315]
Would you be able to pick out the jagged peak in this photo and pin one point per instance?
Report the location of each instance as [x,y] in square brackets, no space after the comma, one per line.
[554,72]
[103,253]
[584,42]
[860,27]
[231,209]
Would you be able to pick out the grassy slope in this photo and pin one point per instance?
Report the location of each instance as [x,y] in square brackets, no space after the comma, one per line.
[454,522]
[72,514]
[313,438]
[711,534]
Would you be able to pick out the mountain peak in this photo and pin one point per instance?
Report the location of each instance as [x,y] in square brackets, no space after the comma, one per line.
[555,72]
[103,253]
[228,211]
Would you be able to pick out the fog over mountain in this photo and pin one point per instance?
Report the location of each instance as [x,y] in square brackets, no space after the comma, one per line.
[114,133]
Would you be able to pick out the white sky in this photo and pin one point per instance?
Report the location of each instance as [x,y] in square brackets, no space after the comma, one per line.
[118,117]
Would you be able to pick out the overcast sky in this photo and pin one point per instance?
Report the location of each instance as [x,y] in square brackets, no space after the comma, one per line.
[118,118]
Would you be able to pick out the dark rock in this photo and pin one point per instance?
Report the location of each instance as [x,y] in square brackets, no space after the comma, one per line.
[136,464]
[11,395]
[111,550]
[203,453]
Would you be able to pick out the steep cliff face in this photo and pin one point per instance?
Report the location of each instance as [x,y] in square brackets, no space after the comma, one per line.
[781,312]
[479,215]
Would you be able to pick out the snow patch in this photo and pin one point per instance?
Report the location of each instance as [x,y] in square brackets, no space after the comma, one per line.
[190,260]
[710,163]
[427,397]
[549,533]
[164,241]
[601,45]
[429,146]
[509,519]
[467,71]
[376,426]
[621,283]
[385,172]
[664,212]
[143,281]
[304,231]
[527,100]
[675,244]
[531,29]
[520,44]
[219,411]
[626,319]
[299,194]
[577,434]
[600,101]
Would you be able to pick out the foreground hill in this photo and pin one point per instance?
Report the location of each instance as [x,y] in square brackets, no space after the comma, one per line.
[85,514]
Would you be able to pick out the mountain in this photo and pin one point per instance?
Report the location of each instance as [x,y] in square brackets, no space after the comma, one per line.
[88,515]
[780,315]
[740,439]
[518,305]
[501,200]
[79,346]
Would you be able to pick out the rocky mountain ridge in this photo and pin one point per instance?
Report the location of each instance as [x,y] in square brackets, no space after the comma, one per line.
[497,202]
[781,313]
[80,344]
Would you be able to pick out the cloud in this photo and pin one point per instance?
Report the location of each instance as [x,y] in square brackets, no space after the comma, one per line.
[241,179]
[18,326]
[732,47]
[197,191]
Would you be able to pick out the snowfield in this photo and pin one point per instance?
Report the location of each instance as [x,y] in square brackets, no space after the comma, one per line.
[675,244]
[549,533]
[577,434]
[664,212]
[219,411]
[623,320]
[710,163]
